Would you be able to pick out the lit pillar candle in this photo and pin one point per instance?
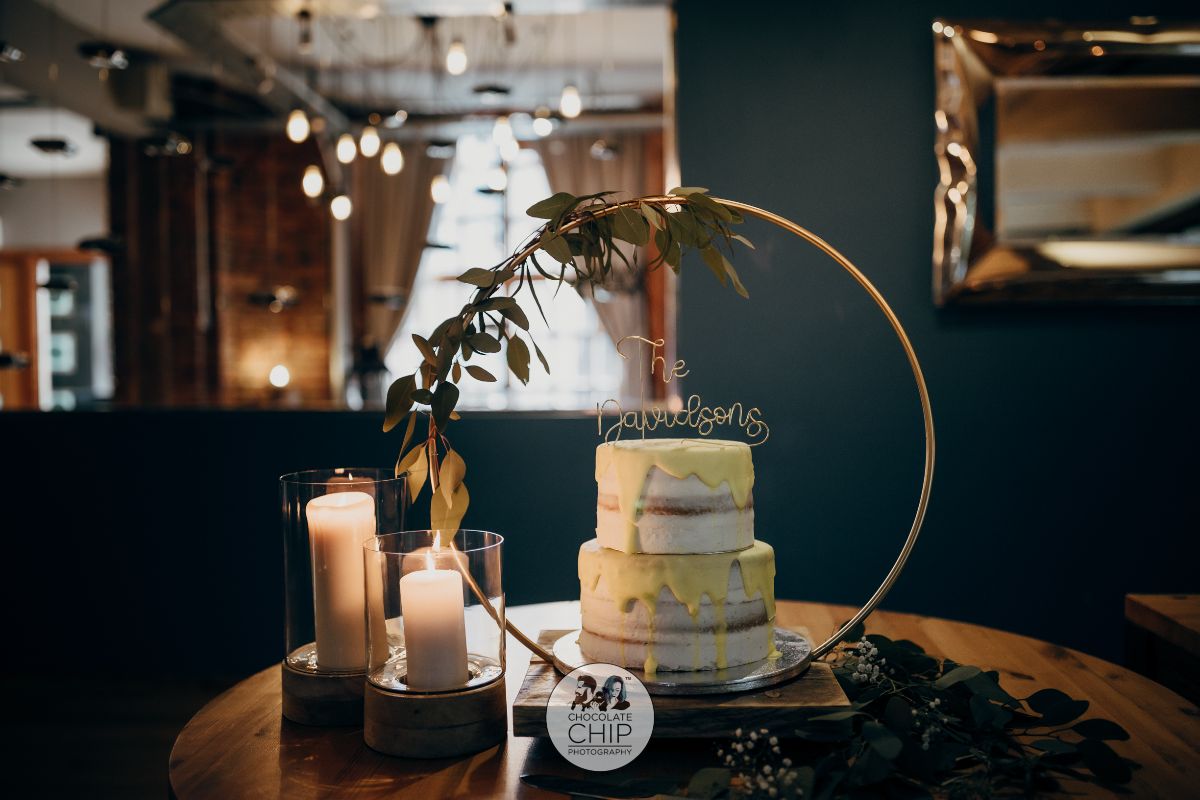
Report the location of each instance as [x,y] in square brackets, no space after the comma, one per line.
[338,524]
[435,629]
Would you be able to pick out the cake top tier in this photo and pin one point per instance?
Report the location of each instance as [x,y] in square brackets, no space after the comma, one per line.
[713,461]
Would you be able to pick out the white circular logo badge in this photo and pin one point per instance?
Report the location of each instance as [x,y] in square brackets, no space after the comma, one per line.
[600,717]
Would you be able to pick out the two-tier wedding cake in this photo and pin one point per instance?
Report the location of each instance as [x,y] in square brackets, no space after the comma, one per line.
[674,579]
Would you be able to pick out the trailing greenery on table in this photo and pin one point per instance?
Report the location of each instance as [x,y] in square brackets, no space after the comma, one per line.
[918,727]
[578,245]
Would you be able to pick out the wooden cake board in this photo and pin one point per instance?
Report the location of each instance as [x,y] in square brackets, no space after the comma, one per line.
[778,708]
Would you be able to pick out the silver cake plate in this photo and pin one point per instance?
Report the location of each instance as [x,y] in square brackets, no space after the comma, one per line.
[795,655]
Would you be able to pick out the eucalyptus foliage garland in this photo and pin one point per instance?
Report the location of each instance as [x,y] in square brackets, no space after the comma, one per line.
[578,245]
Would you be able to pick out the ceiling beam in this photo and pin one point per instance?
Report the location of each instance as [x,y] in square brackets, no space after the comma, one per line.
[50,43]
[198,24]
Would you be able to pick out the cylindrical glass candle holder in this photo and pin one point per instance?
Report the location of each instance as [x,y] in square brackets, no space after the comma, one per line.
[327,516]
[435,643]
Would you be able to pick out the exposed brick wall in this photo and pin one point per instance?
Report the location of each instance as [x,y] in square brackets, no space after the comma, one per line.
[204,232]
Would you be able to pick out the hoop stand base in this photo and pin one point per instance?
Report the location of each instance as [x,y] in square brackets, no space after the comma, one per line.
[413,725]
[312,698]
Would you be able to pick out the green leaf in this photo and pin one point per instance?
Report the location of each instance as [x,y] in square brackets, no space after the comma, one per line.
[441,329]
[447,516]
[399,401]
[497,303]
[445,397]
[882,740]
[715,261]
[426,349]
[706,203]
[1053,746]
[1046,699]
[552,206]
[1056,708]
[480,374]
[541,358]
[898,714]
[415,465]
[422,396]
[1103,762]
[485,343]
[708,783]
[739,238]
[477,276]
[955,676]
[517,316]
[684,191]
[733,276]
[629,226]
[451,472]
[456,372]
[557,247]
[652,215]
[1097,728]
[985,685]
[518,358]
[408,431]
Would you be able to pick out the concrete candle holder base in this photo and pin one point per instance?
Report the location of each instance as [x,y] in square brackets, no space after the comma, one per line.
[312,698]
[439,725]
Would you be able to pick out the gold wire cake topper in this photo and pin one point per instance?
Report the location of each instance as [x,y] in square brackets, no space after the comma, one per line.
[692,414]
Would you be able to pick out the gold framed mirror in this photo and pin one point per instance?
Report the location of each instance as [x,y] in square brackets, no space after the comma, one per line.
[1069,162]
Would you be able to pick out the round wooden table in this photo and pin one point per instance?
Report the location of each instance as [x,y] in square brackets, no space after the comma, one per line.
[240,746]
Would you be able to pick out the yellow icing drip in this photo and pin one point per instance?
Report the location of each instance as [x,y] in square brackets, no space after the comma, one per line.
[650,665]
[719,635]
[771,651]
[641,577]
[713,461]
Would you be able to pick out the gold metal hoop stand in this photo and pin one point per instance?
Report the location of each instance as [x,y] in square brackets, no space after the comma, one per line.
[909,352]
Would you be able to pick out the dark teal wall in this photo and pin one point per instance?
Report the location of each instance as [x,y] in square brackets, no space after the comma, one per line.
[1068,438]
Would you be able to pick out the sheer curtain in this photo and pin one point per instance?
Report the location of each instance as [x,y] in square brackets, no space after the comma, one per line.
[571,167]
[392,215]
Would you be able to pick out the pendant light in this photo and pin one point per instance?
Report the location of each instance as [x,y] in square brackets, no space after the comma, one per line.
[456,57]
[570,103]
[297,125]
[313,181]
[368,142]
[346,149]
[439,189]
[392,159]
[340,207]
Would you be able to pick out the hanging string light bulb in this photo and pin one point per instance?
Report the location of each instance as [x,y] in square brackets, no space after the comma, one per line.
[368,142]
[570,104]
[542,126]
[346,149]
[392,159]
[456,57]
[297,125]
[439,189]
[501,130]
[340,207]
[313,181]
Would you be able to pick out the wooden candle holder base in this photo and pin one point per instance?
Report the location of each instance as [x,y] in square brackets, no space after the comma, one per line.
[435,725]
[311,698]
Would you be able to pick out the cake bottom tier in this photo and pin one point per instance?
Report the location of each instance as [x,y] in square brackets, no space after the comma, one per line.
[677,612]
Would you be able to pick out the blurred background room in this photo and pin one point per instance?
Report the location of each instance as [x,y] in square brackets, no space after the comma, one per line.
[221,223]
